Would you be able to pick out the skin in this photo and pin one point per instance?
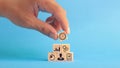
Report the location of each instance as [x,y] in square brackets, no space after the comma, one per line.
[24,13]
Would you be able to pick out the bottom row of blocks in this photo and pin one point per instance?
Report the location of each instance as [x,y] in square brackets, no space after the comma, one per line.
[57,56]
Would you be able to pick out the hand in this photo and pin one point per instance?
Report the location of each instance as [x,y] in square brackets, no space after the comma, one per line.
[24,13]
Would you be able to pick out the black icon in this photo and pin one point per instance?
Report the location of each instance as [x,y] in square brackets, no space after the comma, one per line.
[57,49]
[52,57]
[60,57]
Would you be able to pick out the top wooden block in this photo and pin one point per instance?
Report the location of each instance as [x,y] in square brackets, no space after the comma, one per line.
[62,36]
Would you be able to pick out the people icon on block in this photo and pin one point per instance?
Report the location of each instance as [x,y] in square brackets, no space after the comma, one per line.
[60,57]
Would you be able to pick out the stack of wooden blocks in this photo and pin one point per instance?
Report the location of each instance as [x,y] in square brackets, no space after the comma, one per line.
[61,52]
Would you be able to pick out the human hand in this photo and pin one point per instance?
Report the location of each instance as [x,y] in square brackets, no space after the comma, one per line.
[24,13]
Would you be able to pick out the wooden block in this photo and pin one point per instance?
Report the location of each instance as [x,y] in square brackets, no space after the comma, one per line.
[65,48]
[62,36]
[52,56]
[56,47]
[69,56]
[61,57]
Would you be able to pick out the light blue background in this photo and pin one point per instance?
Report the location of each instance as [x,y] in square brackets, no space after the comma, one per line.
[94,38]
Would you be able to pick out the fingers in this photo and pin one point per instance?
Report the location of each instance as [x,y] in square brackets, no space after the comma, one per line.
[53,22]
[58,13]
[60,16]
[45,28]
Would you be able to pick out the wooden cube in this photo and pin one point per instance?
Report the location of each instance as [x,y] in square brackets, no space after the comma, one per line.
[52,56]
[61,57]
[69,56]
[56,47]
[65,48]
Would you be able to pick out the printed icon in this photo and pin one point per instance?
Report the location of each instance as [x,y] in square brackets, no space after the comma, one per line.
[56,47]
[60,58]
[69,56]
[52,57]
[65,48]
[62,36]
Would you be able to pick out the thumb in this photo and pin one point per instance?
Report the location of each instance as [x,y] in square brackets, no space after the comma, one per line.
[45,28]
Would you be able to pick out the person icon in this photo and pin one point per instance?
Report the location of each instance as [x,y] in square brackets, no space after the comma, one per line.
[60,57]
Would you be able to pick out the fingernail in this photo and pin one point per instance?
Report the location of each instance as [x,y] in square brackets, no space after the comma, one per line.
[68,31]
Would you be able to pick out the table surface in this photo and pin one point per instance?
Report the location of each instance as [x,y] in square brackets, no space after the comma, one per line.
[43,63]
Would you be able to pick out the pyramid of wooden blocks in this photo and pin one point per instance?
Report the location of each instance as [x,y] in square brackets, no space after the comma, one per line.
[61,52]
